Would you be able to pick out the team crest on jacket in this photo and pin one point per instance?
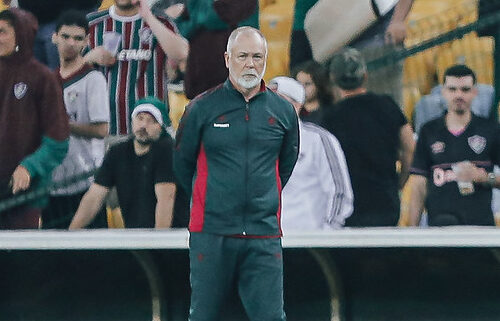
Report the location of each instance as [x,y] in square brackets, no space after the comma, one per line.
[20,90]
[145,35]
[72,96]
[477,143]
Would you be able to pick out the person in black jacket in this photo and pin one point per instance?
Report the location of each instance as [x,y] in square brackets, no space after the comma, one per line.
[235,150]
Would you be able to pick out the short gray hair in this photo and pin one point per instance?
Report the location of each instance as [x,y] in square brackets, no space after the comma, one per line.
[243,30]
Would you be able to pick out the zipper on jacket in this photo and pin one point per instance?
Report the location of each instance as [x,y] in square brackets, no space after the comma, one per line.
[247,118]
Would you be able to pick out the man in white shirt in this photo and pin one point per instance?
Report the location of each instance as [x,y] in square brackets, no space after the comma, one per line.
[318,194]
[85,98]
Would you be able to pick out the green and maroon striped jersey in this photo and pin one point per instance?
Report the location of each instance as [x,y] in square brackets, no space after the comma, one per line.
[140,67]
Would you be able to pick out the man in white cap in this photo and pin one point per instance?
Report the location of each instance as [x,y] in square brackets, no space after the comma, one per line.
[141,170]
[318,194]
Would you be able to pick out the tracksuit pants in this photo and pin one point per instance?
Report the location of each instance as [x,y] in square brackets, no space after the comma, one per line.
[255,265]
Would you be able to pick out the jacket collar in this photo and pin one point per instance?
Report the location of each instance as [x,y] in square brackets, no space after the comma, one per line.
[229,86]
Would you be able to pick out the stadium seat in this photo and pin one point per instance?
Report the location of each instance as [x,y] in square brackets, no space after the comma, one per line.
[278,59]
[476,52]
[177,101]
[275,19]
[114,218]
[429,19]
[423,8]
[404,216]
[411,95]
[418,71]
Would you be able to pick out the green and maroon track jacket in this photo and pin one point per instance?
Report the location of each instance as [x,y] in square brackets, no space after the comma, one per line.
[34,126]
[233,157]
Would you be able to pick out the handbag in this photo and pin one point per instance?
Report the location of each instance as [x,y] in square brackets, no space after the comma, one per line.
[332,24]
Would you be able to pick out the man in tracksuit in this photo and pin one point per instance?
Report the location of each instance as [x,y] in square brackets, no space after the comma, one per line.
[236,147]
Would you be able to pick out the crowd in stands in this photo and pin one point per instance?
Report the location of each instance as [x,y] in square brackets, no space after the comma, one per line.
[87,90]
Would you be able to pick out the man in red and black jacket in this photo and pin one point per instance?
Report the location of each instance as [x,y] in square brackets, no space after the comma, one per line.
[235,150]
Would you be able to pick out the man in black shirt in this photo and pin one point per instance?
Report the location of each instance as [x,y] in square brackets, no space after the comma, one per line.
[141,170]
[452,173]
[374,135]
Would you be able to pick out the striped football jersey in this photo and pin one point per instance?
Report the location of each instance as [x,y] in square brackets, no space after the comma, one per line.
[140,67]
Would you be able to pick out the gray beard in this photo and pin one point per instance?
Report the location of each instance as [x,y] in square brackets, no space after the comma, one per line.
[248,84]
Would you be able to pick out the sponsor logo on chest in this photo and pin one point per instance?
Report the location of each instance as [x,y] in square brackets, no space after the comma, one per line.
[134,54]
[437,147]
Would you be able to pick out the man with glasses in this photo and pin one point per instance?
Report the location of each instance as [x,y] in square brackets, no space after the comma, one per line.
[452,172]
